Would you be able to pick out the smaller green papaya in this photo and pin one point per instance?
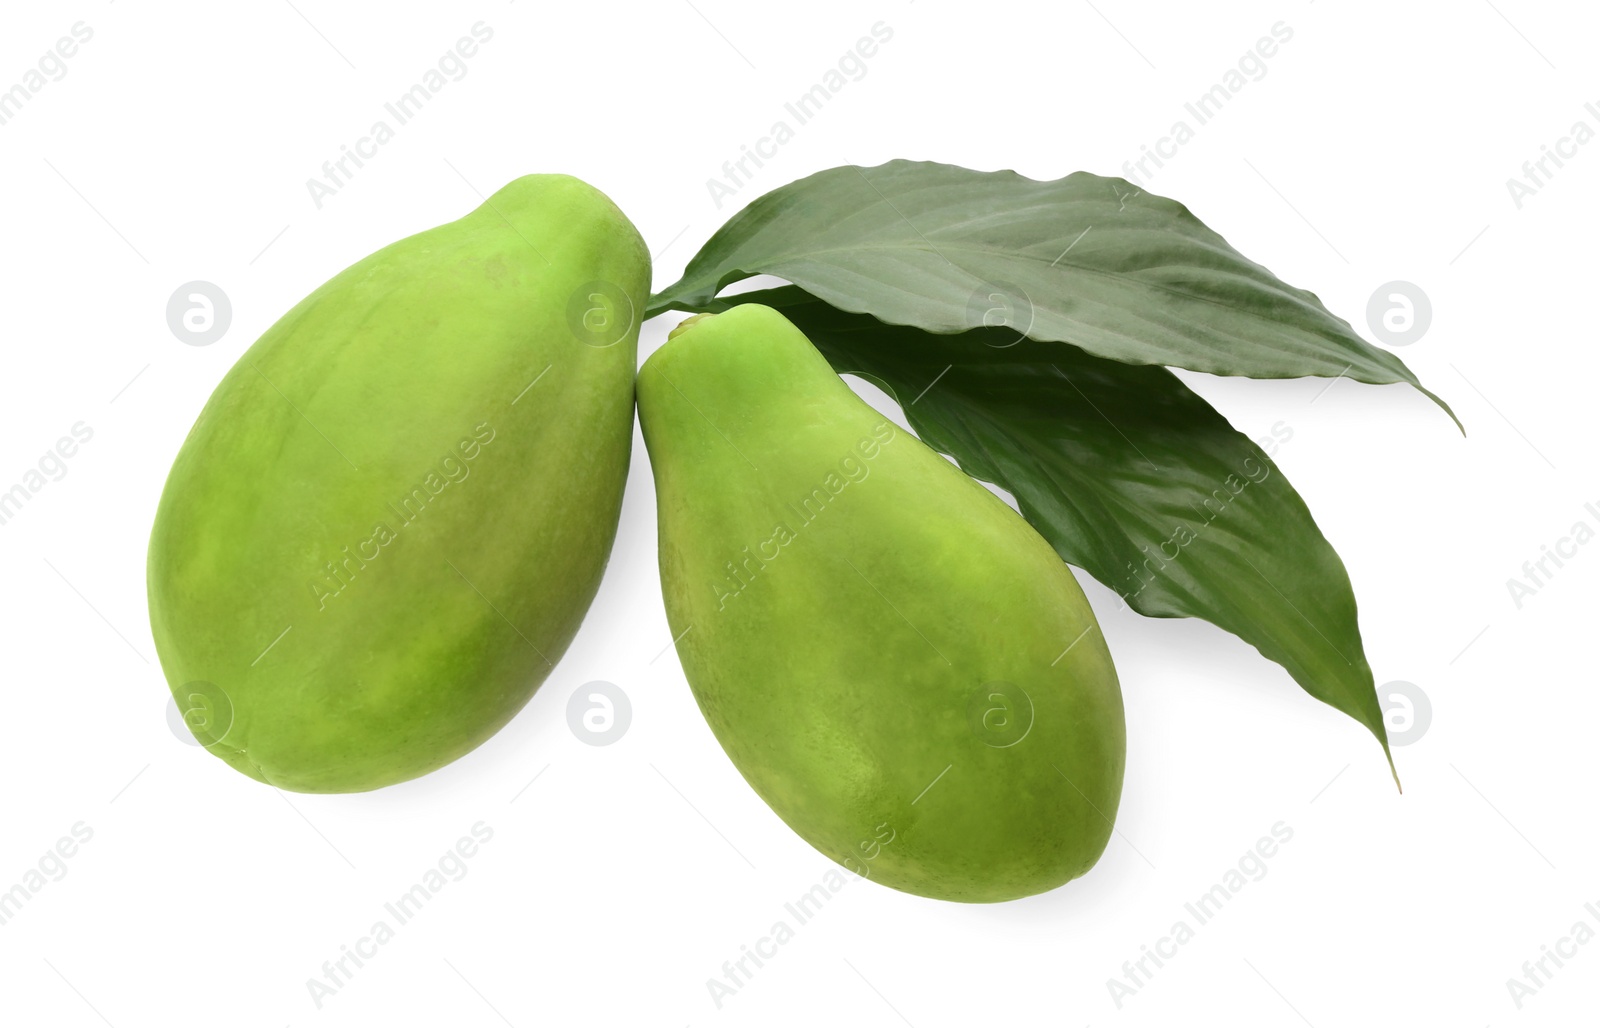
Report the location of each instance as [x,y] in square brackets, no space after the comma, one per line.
[901,667]
[393,512]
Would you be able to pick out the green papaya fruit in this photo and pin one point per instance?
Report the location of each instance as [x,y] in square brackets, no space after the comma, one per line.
[395,509]
[898,664]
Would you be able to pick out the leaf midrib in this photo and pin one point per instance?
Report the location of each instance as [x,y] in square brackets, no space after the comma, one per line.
[1119,277]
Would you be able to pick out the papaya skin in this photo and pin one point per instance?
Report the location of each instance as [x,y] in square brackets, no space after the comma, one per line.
[392,514]
[901,667]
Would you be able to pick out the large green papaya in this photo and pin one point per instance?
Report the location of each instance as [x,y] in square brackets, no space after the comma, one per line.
[898,664]
[394,511]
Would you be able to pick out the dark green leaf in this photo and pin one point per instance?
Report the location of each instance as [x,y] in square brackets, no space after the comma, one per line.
[1090,261]
[1131,476]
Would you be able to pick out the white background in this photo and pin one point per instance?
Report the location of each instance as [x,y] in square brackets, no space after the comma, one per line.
[1376,147]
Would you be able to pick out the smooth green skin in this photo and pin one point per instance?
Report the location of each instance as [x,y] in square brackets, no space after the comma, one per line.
[839,671]
[319,433]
